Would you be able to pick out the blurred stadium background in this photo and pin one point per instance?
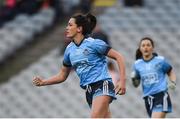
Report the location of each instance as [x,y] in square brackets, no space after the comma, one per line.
[32,41]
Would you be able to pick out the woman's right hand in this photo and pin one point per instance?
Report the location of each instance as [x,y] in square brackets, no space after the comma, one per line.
[38,81]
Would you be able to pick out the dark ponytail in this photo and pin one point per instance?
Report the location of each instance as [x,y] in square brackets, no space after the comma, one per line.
[138,54]
[91,22]
[87,22]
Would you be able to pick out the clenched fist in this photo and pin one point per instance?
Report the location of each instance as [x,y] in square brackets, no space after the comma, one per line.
[38,81]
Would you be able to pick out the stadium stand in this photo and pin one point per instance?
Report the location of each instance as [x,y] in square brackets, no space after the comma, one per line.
[158,19]
[22,29]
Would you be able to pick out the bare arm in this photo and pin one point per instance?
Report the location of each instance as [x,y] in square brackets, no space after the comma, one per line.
[172,76]
[121,85]
[58,78]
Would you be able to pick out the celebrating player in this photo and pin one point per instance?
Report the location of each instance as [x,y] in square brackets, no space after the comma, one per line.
[87,56]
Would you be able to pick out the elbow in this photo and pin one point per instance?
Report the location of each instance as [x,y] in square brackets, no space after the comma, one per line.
[60,78]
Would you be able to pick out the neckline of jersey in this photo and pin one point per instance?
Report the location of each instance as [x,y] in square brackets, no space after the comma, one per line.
[80,42]
[149,59]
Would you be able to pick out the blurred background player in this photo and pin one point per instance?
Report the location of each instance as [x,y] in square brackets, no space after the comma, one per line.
[87,56]
[151,70]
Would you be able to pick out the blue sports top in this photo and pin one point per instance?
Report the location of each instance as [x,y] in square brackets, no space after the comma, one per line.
[88,59]
[152,74]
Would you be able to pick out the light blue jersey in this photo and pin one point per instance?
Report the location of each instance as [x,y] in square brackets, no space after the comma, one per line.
[152,74]
[89,60]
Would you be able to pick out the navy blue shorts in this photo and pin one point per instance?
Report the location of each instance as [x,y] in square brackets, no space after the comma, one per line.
[159,102]
[98,89]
